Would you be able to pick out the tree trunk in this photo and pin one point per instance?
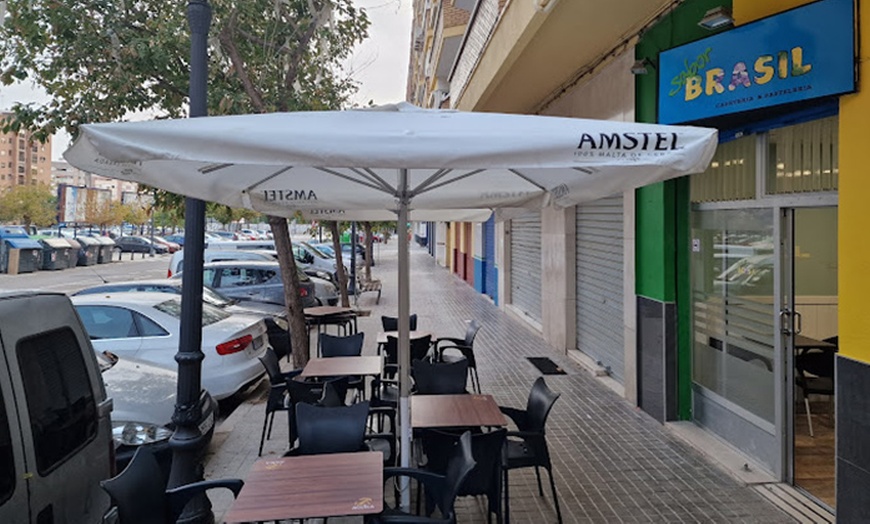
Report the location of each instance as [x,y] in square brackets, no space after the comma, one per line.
[339,263]
[290,277]
[369,251]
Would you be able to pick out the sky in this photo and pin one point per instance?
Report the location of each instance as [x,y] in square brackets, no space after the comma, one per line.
[380,63]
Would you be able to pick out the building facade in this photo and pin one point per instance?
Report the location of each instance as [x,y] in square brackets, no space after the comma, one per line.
[723,300]
[23,161]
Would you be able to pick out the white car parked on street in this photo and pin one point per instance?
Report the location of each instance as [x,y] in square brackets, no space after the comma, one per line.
[145,326]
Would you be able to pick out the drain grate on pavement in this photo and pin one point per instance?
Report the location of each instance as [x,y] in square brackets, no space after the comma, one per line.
[546,366]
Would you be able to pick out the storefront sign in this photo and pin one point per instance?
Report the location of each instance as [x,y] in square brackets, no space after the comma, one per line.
[800,54]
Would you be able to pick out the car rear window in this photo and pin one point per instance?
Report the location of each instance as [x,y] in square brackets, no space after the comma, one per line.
[60,399]
[210,314]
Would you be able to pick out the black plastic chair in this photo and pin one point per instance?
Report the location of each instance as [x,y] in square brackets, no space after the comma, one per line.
[420,349]
[336,346]
[330,429]
[277,400]
[385,389]
[815,375]
[340,429]
[485,478]
[141,496]
[465,346]
[392,323]
[527,447]
[349,346]
[440,489]
[440,378]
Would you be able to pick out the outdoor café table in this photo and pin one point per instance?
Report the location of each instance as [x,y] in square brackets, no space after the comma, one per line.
[322,316]
[455,411]
[343,366]
[309,486]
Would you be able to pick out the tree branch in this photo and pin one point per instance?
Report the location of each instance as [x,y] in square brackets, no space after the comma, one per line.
[226,39]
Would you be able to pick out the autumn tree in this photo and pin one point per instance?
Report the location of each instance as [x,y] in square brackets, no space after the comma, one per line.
[100,61]
[28,205]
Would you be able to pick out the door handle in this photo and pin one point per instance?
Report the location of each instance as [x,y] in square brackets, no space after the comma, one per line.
[797,322]
[784,321]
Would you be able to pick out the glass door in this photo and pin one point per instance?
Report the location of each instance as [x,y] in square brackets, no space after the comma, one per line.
[808,321]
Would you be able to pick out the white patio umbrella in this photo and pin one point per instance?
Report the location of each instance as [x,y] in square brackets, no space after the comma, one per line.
[394,162]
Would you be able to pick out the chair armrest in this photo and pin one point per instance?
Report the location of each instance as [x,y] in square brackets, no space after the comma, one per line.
[426,477]
[180,496]
[518,416]
[455,341]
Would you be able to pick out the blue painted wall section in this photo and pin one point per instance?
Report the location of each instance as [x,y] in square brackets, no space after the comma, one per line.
[479,268]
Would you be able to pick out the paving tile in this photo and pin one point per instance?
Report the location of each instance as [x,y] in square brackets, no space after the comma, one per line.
[612,463]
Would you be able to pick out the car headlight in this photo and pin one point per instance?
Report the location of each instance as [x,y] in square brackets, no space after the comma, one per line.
[282,323]
[138,433]
[323,274]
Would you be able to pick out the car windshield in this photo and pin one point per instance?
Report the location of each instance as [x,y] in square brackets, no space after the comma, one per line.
[211,296]
[314,250]
[210,314]
[327,250]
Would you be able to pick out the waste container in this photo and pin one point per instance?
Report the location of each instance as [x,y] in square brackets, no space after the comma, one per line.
[75,249]
[89,254]
[107,246]
[56,253]
[28,255]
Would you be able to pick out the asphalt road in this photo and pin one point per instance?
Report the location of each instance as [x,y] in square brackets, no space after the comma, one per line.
[71,280]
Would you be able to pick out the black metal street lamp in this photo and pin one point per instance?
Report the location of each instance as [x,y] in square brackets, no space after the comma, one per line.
[187,442]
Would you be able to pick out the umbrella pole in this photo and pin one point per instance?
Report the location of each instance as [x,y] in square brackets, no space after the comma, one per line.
[404,335]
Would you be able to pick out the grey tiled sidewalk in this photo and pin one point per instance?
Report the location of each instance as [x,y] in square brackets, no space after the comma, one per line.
[612,463]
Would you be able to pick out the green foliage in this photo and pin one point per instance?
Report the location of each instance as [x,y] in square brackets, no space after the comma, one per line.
[226,214]
[102,60]
[28,205]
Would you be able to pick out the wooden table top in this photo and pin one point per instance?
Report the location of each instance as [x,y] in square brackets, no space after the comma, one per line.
[343,366]
[455,411]
[311,486]
[325,311]
[382,335]
[803,342]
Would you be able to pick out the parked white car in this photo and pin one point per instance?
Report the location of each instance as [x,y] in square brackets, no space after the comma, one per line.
[145,326]
[143,398]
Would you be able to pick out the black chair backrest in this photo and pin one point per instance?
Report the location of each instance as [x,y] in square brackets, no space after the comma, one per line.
[331,430]
[486,448]
[471,332]
[273,368]
[420,348]
[459,465]
[440,378]
[819,363]
[304,392]
[392,323]
[335,346]
[138,491]
[541,400]
[334,392]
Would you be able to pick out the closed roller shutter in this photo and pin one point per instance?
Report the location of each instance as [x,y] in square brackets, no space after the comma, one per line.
[526,264]
[600,279]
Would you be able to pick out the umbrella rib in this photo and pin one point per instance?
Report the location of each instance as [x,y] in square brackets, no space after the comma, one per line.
[584,170]
[270,177]
[452,180]
[357,181]
[374,177]
[524,177]
[435,176]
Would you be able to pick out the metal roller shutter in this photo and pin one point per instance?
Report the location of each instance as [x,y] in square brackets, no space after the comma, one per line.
[526,264]
[600,279]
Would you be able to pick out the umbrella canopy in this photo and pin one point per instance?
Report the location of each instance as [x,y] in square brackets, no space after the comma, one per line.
[345,164]
[392,162]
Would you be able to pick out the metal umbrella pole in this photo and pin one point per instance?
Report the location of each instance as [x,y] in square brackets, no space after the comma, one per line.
[404,336]
[187,441]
